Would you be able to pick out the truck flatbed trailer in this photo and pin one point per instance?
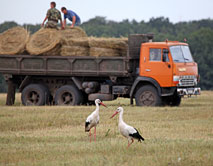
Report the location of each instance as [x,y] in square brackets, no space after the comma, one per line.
[67,66]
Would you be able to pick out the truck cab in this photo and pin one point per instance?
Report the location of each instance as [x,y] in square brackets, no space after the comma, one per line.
[171,69]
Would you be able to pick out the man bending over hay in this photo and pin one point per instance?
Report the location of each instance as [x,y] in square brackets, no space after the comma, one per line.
[53,15]
[72,16]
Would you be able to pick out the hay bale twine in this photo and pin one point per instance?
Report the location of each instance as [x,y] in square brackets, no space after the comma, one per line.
[100,52]
[111,43]
[75,32]
[74,51]
[13,41]
[44,42]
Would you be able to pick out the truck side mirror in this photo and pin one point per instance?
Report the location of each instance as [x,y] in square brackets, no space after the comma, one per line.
[165,55]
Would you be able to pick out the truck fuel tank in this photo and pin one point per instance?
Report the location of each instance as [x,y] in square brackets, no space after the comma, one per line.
[121,90]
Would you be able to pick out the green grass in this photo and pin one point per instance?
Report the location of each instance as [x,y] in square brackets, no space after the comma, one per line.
[175,136]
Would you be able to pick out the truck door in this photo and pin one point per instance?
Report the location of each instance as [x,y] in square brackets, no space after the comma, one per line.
[157,64]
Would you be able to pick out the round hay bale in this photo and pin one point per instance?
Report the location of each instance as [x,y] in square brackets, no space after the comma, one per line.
[74,51]
[112,43]
[44,41]
[75,32]
[100,52]
[77,42]
[13,41]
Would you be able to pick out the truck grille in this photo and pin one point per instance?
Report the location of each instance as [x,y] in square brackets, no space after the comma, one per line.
[187,81]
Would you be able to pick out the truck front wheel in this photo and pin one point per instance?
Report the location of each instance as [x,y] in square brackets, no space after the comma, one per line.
[35,94]
[68,95]
[147,96]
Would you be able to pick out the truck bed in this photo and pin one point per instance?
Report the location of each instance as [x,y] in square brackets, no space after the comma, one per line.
[67,66]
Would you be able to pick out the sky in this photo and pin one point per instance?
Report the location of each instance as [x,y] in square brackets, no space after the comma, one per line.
[34,11]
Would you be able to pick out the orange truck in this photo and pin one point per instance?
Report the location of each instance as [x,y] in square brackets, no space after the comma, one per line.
[151,74]
[171,68]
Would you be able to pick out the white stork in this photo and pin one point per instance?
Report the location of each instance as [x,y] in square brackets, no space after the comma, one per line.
[93,119]
[127,131]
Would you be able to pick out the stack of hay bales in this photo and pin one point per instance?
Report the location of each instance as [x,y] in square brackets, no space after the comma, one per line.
[52,42]
[13,41]
[68,42]
[74,42]
[108,46]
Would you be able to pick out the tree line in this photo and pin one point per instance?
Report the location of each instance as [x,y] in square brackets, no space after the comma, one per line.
[199,35]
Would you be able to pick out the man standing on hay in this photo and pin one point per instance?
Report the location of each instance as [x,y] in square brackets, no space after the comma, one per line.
[53,15]
[72,16]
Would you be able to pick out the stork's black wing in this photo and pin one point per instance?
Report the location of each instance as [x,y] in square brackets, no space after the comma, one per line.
[86,126]
[137,136]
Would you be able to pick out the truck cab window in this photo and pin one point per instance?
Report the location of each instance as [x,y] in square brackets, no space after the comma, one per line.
[181,54]
[154,54]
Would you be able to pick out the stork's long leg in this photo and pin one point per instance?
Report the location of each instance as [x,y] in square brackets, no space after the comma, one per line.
[90,135]
[130,143]
[95,134]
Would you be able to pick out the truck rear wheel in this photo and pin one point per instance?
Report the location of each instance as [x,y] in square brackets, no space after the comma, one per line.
[147,96]
[68,95]
[35,94]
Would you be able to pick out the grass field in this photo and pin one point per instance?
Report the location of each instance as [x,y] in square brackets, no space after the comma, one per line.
[178,136]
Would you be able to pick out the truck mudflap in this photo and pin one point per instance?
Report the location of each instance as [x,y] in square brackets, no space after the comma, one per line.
[188,91]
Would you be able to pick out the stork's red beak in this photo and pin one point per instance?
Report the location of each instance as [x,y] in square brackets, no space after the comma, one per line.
[103,104]
[114,114]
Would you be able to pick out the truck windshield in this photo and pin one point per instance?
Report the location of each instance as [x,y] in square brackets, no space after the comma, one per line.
[181,54]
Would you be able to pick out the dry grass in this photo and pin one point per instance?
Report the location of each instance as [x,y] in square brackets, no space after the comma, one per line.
[178,136]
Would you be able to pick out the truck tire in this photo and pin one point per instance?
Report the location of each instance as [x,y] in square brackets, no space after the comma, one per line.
[35,94]
[174,100]
[68,95]
[147,96]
